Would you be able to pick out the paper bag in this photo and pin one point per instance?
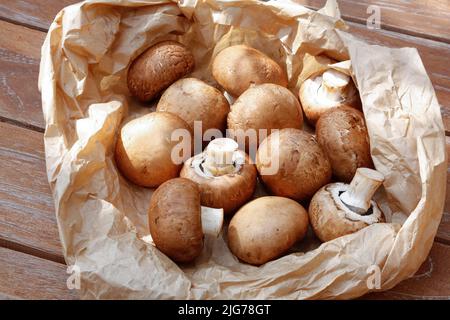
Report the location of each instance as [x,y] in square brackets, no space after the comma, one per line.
[102,218]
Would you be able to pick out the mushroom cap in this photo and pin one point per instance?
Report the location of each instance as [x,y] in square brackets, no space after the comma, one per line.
[157,68]
[266,228]
[314,108]
[303,167]
[342,134]
[228,191]
[266,106]
[144,147]
[194,100]
[237,67]
[175,219]
[330,218]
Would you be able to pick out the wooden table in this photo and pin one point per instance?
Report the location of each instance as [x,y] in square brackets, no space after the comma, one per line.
[31,263]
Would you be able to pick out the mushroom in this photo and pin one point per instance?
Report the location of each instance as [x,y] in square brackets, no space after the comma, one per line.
[266,106]
[326,91]
[224,174]
[292,164]
[265,228]
[157,68]
[339,209]
[342,134]
[237,67]
[144,148]
[194,100]
[177,221]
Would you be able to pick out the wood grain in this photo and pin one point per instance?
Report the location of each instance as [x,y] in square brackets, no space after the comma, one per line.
[27,218]
[26,277]
[20,52]
[20,99]
[23,276]
[443,234]
[430,282]
[427,19]
[35,14]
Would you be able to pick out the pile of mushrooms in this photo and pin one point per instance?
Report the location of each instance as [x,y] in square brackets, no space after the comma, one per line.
[295,167]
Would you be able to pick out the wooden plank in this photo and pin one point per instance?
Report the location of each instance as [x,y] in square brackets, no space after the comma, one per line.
[20,100]
[427,19]
[35,14]
[430,282]
[443,234]
[23,276]
[27,220]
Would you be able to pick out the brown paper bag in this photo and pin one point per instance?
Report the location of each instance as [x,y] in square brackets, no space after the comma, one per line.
[102,217]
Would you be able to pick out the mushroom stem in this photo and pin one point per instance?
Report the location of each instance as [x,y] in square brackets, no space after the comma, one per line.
[212,220]
[361,190]
[333,84]
[219,156]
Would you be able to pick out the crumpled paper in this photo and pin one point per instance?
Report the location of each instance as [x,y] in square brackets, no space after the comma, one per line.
[102,218]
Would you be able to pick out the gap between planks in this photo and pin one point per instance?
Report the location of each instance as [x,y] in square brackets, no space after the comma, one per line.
[397,16]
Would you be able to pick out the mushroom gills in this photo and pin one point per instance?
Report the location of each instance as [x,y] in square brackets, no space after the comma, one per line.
[220,158]
[370,216]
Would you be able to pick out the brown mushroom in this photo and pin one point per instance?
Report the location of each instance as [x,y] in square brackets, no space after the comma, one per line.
[237,67]
[225,175]
[266,106]
[339,209]
[157,68]
[331,89]
[144,148]
[342,134]
[265,228]
[178,222]
[194,100]
[292,164]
